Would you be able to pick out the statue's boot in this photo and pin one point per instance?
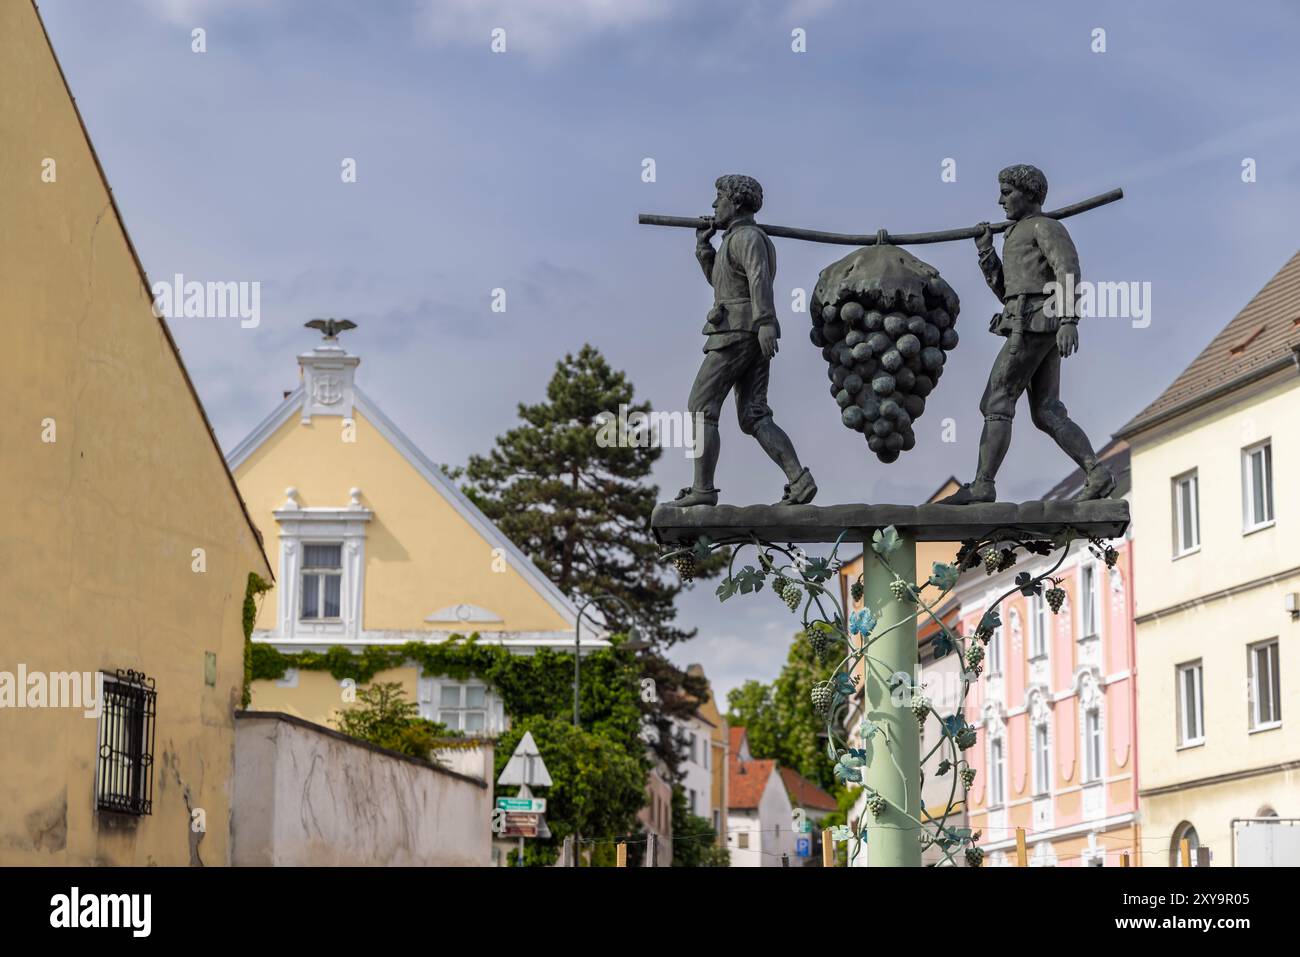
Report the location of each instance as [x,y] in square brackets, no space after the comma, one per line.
[1100,483]
[801,491]
[980,490]
[696,496]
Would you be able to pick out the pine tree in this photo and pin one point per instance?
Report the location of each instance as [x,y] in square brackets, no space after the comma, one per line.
[578,504]
[573,494]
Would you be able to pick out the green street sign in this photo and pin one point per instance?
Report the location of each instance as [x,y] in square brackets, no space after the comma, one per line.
[517,805]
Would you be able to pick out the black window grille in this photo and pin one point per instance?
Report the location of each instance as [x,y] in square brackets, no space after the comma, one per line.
[124,776]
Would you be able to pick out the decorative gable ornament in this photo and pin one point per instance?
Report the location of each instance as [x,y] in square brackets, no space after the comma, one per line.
[328,375]
[463,614]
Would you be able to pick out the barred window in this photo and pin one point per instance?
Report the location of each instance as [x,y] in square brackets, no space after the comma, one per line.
[124,771]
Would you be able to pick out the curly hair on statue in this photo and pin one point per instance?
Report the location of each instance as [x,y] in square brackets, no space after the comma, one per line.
[744,191]
[1030,180]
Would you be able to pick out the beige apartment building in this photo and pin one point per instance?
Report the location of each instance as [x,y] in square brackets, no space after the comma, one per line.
[1216,468]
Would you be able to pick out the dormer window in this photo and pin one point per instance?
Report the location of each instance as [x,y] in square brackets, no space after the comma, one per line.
[322,579]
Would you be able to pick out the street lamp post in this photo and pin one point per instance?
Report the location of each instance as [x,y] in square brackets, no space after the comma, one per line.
[634,644]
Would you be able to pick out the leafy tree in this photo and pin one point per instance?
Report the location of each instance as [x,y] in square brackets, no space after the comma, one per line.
[384,717]
[597,784]
[779,717]
[694,839]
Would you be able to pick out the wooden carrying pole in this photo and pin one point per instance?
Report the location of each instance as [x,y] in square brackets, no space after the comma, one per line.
[621,858]
[1022,859]
[882,236]
[828,848]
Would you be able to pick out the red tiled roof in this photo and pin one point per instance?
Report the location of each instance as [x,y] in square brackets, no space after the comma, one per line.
[1260,337]
[737,736]
[803,793]
[746,781]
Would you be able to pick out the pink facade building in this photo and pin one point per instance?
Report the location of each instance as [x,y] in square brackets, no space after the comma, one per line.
[1056,707]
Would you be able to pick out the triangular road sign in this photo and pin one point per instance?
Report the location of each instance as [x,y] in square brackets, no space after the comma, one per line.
[525,767]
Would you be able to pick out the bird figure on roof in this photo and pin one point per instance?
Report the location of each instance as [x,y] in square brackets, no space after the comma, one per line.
[331,327]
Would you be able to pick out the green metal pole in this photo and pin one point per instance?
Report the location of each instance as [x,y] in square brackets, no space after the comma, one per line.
[893,839]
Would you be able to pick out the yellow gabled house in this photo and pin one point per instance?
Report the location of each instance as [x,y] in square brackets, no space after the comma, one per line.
[125,551]
[375,546]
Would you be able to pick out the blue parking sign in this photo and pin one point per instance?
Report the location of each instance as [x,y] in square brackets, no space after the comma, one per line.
[803,846]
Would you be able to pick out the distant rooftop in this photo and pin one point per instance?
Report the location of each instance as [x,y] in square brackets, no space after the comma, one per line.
[1261,338]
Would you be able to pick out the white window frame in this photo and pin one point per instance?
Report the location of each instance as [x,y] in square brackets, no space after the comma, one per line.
[1090,603]
[1256,515]
[1257,720]
[1040,628]
[1191,481]
[1042,759]
[432,707]
[1094,746]
[1198,702]
[995,652]
[320,526]
[997,772]
[321,573]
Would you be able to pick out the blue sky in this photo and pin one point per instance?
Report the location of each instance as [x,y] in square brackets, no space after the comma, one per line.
[522,170]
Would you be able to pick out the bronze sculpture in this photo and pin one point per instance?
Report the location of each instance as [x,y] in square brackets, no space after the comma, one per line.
[742,331]
[881,293]
[1037,257]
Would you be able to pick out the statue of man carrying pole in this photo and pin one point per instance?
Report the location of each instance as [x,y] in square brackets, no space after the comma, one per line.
[1038,257]
[742,333]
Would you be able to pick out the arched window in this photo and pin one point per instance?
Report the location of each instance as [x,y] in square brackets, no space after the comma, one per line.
[996,757]
[1040,743]
[1092,742]
[1184,831]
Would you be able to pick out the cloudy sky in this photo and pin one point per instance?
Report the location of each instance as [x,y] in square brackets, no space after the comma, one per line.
[522,170]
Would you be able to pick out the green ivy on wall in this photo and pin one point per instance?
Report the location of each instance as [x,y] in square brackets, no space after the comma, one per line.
[534,685]
[256,586]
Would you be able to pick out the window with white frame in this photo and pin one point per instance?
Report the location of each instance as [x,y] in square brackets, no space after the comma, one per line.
[1257,486]
[706,748]
[1092,750]
[997,772]
[1038,626]
[464,707]
[690,746]
[995,652]
[1191,706]
[1187,514]
[322,579]
[1265,685]
[1042,761]
[1090,600]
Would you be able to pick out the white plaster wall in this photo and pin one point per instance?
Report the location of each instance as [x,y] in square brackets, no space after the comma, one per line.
[307,796]
[776,813]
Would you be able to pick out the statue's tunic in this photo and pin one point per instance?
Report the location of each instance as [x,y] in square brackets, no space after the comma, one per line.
[741,273]
[1036,251]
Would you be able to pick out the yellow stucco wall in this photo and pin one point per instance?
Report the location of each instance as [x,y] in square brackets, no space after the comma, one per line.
[421,555]
[1216,630]
[1211,443]
[100,524]
[1211,809]
[318,696]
